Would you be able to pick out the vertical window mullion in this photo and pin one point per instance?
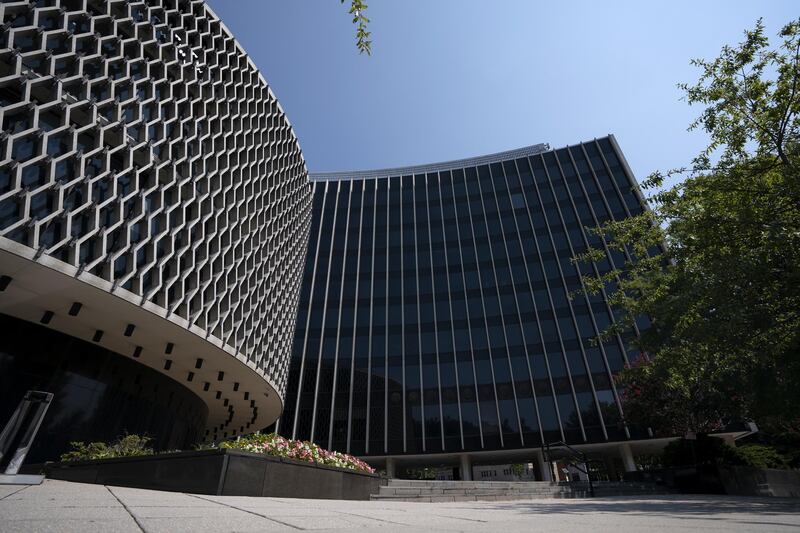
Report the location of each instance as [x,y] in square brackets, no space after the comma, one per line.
[324,187]
[483,303]
[348,184]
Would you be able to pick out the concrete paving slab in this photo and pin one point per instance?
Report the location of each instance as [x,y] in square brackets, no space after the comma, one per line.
[8,490]
[71,526]
[51,493]
[184,512]
[238,524]
[62,506]
[27,511]
[342,522]
[157,498]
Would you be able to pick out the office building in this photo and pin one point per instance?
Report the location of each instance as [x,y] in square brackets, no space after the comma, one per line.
[154,212]
[441,313]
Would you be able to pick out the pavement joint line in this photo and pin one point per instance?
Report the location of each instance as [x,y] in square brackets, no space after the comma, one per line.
[16,492]
[462,518]
[376,519]
[282,500]
[135,519]
[246,511]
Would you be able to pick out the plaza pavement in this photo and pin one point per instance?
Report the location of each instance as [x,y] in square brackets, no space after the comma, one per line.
[60,506]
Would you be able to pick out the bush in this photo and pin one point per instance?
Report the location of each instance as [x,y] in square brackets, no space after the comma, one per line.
[271,444]
[127,446]
[518,470]
[419,473]
[707,450]
[268,444]
[762,456]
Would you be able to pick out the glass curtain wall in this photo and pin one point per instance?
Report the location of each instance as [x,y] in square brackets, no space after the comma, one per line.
[441,310]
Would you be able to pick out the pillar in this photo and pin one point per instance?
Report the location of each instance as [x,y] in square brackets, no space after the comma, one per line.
[611,468]
[390,467]
[627,457]
[556,471]
[545,468]
[466,468]
[728,439]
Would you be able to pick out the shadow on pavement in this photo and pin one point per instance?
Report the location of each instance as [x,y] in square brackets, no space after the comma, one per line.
[675,506]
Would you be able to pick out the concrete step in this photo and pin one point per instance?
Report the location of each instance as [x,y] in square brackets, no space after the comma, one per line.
[451,491]
[429,490]
[432,490]
[480,494]
[466,484]
[465,498]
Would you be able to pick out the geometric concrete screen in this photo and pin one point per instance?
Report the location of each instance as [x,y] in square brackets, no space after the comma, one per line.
[153,197]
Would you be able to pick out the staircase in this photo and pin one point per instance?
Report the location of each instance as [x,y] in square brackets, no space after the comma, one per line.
[607,489]
[407,490]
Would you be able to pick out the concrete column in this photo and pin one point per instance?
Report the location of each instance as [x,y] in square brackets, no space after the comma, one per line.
[728,439]
[545,468]
[466,468]
[627,457]
[557,471]
[611,468]
[390,467]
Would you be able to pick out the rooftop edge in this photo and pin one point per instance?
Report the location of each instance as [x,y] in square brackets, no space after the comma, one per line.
[432,167]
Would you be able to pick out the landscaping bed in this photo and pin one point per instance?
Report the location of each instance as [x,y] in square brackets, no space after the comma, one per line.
[223,471]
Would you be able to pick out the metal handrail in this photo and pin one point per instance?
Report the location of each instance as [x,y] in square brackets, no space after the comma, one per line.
[584,459]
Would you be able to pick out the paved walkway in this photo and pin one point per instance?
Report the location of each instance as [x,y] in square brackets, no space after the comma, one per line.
[59,506]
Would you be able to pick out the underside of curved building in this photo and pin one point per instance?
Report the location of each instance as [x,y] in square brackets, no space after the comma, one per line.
[442,313]
[154,214]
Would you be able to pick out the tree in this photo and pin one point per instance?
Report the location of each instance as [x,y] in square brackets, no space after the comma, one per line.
[363,41]
[723,296]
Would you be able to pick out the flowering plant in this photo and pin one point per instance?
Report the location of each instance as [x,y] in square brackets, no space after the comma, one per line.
[272,444]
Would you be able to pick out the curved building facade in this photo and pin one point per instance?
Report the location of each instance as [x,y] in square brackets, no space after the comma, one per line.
[440,311]
[154,215]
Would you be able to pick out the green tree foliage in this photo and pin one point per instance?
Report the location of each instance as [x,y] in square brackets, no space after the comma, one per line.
[518,470]
[363,41]
[761,456]
[724,296]
[419,473]
[707,450]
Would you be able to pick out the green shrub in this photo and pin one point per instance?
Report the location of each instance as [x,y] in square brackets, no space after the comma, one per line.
[762,456]
[419,473]
[82,451]
[127,446]
[705,450]
[518,469]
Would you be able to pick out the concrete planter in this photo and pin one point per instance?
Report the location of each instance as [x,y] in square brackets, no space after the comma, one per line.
[749,481]
[726,479]
[221,472]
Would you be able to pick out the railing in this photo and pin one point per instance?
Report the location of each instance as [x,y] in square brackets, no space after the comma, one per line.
[25,421]
[582,466]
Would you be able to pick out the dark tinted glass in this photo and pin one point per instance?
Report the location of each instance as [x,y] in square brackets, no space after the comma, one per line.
[447,320]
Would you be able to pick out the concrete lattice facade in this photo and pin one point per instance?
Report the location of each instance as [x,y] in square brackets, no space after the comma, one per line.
[441,311]
[148,173]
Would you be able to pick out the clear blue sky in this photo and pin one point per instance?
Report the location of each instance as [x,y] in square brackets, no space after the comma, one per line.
[460,78]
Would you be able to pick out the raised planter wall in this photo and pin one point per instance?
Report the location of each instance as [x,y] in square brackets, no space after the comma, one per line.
[221,472]
[720,479]
[748,481]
